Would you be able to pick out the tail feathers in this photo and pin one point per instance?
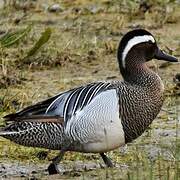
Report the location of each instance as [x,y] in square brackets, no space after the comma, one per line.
[36,131]
[23,125]
[11,133]
[7,133]
[3,133]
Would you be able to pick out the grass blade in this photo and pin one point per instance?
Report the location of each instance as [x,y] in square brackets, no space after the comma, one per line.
[45,36]
[12,38]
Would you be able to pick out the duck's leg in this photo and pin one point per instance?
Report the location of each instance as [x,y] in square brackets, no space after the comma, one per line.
[106,160]
[53,167]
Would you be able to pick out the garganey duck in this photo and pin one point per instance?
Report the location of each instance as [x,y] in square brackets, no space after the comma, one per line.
[100,116]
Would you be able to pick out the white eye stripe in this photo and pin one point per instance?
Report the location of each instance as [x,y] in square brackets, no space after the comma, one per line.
[134,41]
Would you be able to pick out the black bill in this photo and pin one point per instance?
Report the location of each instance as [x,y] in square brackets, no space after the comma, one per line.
[163,56]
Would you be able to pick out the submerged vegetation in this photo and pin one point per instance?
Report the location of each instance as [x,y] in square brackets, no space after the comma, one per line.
[45,50]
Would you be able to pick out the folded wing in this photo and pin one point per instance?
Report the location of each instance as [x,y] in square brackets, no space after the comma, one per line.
[63,105]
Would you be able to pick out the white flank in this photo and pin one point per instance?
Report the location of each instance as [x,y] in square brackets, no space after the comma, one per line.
[134,41]
[97,127]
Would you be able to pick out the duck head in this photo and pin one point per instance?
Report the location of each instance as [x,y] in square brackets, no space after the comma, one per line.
[137,47]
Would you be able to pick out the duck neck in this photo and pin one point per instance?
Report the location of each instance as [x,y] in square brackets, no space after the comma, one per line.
[137,73]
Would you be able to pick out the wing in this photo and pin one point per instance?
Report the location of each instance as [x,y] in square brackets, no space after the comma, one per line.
[67,105]
[38,109]
[64,105]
